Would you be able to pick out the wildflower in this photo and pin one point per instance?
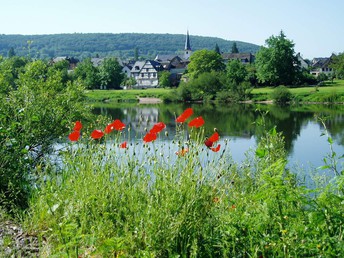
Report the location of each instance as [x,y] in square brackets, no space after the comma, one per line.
[77,126]
[196,122]
[97,134]
[74,136]
[186,114]
[115,125]
[182,152]
[118,125]
[149,137]
[157,128]
[123,145]
[209,142]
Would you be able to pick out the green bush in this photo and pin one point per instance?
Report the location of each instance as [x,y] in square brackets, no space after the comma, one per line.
[32,117]
[281,95]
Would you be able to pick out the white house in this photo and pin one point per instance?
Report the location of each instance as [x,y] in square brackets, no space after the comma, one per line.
[146,73]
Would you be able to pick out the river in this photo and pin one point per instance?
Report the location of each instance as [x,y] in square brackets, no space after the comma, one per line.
[244,124]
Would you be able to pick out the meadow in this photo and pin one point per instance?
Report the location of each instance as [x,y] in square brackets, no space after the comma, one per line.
[130,199]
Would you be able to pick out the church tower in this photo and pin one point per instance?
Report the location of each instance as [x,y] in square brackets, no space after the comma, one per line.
[187,50]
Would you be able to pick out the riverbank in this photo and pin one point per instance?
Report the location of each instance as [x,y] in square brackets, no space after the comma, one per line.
[329,93]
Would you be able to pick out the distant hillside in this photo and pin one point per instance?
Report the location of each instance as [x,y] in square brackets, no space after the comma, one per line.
[121,45]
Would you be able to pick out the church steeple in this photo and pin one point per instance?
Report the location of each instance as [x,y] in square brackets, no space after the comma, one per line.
[187,50]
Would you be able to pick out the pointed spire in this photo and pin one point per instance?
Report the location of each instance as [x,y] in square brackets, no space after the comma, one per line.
[187,41]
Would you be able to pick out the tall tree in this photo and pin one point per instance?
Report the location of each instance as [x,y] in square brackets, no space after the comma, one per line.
[217,49]
[203,61]
[236,72]
[277,63]
[136,54]
[87,73]
[11,52]
[234,48]
[110,74]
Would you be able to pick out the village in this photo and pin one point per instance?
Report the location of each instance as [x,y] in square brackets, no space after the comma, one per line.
[145,72]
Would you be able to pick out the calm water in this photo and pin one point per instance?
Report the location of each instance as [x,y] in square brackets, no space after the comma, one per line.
[242,125]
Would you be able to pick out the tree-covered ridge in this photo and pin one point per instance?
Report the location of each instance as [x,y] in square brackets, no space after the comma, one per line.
[84,45]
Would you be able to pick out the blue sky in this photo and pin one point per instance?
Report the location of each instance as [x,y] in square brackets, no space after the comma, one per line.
[314,26]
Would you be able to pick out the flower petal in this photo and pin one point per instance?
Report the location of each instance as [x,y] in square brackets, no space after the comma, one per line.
[186,114]
[157,128]
[197,122]
[97,134]
[118,125]
[216,149]
[74,136]
[149,137]
[77,126]
[123,145]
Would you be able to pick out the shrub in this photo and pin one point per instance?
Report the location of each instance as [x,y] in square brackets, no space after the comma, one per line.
[281,95]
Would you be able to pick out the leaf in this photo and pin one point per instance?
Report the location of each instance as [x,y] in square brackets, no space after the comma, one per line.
[330,140]
[261,153]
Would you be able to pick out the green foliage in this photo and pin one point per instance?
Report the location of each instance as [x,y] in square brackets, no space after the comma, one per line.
[281,95]
[236,72]
[234,48]
[87,73]
[164,79]
[124,45]
[205,61]
[131,202]
[337,64]
[206,85]
[275,63]
[32,118]
[110,74]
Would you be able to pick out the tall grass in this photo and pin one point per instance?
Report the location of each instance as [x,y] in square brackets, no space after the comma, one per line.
[145,201]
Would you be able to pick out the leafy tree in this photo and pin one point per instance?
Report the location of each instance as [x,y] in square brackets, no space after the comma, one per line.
[217,49]
[87,73]
[234,48]
[110,74]
[10,69]
[277,64]
[203,61]
[164,79]
[236,72]
[338,65]
[129,82]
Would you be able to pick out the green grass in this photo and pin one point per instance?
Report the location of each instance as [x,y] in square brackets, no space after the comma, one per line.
[331,92]
[125,95]
[145,201]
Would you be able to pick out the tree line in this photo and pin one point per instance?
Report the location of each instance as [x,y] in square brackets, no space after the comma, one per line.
[276,64]
[123,45]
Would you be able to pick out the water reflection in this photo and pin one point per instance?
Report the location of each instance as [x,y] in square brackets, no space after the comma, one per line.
[244,124]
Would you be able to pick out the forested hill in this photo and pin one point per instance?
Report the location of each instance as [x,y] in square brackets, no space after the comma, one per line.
[122,45]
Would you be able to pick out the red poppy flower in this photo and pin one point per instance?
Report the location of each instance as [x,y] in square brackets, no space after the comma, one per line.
[186,114]
[209,142]
[97,134]
[108,129]
[196,122]
[123,145]
[77,126]
[216,149]
[157,128]
[149,137]
[118,125]
[74,136]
